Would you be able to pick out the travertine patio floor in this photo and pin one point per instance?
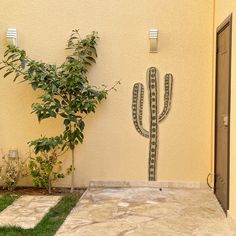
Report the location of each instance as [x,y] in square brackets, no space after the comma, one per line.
[147,211]
[27,211]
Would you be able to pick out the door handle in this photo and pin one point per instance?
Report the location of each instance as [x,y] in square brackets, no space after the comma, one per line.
[225,120]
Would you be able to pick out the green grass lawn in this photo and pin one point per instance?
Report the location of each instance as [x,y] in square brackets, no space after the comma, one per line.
[49,224]
[6,200]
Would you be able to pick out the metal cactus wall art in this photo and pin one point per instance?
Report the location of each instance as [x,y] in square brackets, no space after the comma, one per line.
[154,116]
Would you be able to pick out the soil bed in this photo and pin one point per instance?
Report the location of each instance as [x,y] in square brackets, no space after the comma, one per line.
[41,191]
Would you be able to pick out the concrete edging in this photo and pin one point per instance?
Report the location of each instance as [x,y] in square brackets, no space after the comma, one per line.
[151,184]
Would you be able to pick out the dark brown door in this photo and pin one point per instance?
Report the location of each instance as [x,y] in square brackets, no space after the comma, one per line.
[222,114]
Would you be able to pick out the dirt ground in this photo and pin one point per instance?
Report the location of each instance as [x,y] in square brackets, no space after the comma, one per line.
[41,191]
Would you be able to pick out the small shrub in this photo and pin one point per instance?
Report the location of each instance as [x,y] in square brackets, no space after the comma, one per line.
[11,171]
[45,166]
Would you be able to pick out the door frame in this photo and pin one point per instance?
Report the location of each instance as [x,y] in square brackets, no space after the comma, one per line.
[227,22]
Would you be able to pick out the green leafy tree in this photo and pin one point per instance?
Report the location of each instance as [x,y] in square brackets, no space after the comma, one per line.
[66,91]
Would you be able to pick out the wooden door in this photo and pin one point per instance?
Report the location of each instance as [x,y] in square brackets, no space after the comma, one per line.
[222,112]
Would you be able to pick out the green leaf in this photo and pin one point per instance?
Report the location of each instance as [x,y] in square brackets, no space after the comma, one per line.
[91,59]
[63,115]
[23,63]
[52,113]
[80,139]
[73,119]
[58,104]
[54,88]
[66,122]
[81,125]
[34,85]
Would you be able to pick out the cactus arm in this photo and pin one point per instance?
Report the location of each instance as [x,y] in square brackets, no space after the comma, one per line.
[167,96]
[137,109]
[153,89]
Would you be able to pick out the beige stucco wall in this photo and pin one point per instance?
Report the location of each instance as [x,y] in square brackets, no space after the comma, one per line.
[112,149]
[223,8]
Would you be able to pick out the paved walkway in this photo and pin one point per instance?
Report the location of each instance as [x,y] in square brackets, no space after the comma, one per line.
[147,212]
[27,211]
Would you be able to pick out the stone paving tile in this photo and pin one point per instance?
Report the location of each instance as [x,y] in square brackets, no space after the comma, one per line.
[147,212]
[27,211]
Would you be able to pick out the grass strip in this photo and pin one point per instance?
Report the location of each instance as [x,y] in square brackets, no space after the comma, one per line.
[50,222]
[6,200]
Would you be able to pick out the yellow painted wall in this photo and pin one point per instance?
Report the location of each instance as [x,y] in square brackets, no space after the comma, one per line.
[112,149]
[223,8]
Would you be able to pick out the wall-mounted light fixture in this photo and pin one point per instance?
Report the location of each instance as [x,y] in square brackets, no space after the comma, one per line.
[153,37]
[12,36]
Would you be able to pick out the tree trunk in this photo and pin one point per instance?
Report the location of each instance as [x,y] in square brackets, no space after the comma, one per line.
[73,171]
[49,185]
